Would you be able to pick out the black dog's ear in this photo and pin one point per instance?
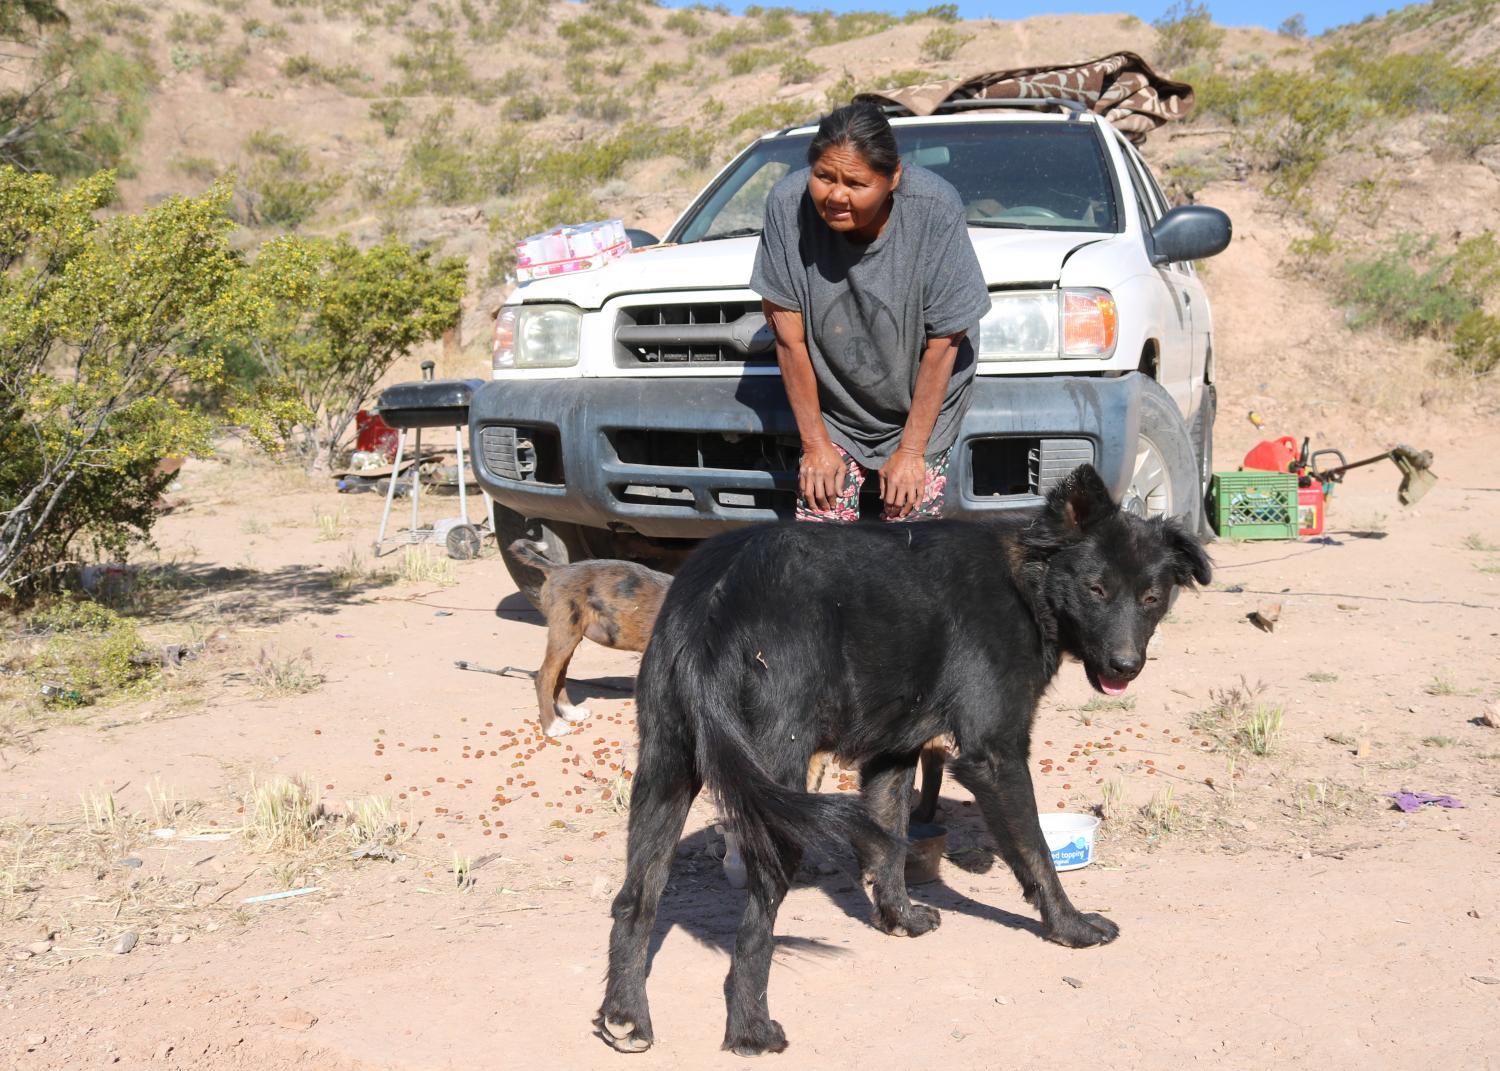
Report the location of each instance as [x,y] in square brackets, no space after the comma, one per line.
[1189,560]
[1080,500]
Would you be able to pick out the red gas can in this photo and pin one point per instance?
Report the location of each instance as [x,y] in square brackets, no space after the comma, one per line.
[1273,455]
[1310,505]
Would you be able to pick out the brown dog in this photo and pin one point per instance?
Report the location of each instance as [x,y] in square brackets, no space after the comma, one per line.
[613,603]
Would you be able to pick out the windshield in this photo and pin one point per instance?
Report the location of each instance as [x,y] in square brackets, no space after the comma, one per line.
[1036,176]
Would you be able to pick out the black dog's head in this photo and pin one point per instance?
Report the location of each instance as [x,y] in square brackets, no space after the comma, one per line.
[1106,576]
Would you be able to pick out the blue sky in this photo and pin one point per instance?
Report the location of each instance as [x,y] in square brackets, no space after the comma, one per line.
[1268,13]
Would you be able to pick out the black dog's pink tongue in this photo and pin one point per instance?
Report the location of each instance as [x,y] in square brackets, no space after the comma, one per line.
[1112,685]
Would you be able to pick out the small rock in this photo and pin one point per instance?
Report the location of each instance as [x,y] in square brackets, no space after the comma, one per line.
[1491,716]
[181,938]
[1002,1000]
[35,1041]
[1074,982]
[164,1050]
[132,862]
[21,953]
[124,943]
[1485,979]
[1250,827]
[39,948]
[600,889]
[1473,914]
[1304,855]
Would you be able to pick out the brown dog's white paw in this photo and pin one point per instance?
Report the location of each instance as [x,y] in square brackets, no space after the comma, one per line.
[575,715]
[559,727]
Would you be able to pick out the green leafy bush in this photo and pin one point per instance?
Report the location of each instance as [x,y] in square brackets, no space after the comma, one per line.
[752,59]
[389,114]
[824,28]
[432,64]
[88,651]
[327,320]
[684,22]
[102,327]
[1476,343]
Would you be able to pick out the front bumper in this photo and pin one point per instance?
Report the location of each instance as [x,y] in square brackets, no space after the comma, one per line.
[686,458]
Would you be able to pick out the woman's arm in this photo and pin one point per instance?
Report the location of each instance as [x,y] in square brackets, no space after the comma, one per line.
[905,474]
[821,474]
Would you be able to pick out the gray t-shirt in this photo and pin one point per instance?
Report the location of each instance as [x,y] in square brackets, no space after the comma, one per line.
[869,309]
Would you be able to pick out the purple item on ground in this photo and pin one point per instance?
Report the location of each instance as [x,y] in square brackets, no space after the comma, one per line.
[1411,801]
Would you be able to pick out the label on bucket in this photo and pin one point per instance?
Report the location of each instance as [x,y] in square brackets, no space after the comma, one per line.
[1074,854]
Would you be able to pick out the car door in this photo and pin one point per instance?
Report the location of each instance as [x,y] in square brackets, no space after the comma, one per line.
[1175,361]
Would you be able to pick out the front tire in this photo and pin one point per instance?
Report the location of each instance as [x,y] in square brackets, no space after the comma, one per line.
[1203,447]
[1164,480]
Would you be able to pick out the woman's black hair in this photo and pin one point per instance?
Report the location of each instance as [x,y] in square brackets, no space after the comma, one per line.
[863,127]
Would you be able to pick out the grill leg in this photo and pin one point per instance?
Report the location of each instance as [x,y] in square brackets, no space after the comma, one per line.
[390,491]
[416,489]
[463,499]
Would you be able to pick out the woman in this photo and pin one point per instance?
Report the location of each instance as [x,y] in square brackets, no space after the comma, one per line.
[871,285]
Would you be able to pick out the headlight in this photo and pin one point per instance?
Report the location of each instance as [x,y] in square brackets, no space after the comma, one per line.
[537,336]
[1039,324]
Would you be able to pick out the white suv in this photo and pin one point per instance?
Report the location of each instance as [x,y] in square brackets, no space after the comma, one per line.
[638,408]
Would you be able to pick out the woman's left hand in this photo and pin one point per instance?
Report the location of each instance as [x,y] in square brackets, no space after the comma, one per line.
[901,482]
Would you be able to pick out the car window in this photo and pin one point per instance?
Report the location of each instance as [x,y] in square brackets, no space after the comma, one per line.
[1150,211]
[1036,176]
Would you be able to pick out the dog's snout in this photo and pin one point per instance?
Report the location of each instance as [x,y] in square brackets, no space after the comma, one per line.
[1126,663]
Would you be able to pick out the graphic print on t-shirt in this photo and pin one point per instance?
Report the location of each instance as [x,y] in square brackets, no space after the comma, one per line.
[850,335]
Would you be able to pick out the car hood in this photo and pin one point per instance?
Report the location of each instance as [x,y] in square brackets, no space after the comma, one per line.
[1007,258]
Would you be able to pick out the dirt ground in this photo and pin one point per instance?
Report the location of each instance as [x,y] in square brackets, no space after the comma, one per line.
[1285,913]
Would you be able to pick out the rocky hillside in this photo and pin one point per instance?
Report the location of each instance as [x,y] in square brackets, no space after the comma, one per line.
[464,125]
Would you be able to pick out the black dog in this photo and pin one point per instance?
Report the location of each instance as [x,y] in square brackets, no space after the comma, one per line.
[869,641]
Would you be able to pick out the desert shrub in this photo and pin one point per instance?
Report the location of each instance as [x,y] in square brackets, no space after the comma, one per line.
[684,22]
[86,648]
[826,29]
[432,65]
[775,22]
[607,107]
[1293,26]
[1184,32]
[303,67]
[186,27]
[591,33]
[914,76]
[282,187]
[752,59]
[942,44]
[388,113]
[327,320]
[223,66]
[102,326]
[1415,291]
[768,117]
[658,73]
[941,12]
[729,38]
[1476,343]
[799,69]
[525,108]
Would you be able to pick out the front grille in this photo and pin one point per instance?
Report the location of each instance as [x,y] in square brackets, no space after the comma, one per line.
[524,454]
[776,454]
[1013,467]
[699,332]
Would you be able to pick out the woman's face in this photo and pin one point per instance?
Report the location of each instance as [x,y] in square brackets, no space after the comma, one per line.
[851,196]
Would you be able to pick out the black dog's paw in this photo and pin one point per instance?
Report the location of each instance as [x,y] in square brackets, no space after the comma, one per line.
[916,920]
[1084,931]
[624,1035]
[756,1039]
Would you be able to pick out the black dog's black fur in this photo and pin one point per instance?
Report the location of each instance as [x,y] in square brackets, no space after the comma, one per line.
[870,640]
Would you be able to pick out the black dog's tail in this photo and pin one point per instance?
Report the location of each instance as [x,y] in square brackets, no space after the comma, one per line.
[531,554]
[704,682]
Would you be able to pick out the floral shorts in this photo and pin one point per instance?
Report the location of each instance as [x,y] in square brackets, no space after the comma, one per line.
[846,506]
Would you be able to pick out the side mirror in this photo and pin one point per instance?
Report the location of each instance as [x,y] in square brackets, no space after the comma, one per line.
[1190,232]
[639,238]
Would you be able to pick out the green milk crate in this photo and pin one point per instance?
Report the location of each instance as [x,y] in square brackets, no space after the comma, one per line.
[1255,505]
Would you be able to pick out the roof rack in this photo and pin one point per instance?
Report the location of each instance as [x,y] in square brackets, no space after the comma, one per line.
[1074,109]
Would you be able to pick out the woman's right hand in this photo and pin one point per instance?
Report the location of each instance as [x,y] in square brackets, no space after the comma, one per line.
[820,477]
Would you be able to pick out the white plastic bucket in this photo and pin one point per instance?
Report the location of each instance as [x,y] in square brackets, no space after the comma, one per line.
[1070,838]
